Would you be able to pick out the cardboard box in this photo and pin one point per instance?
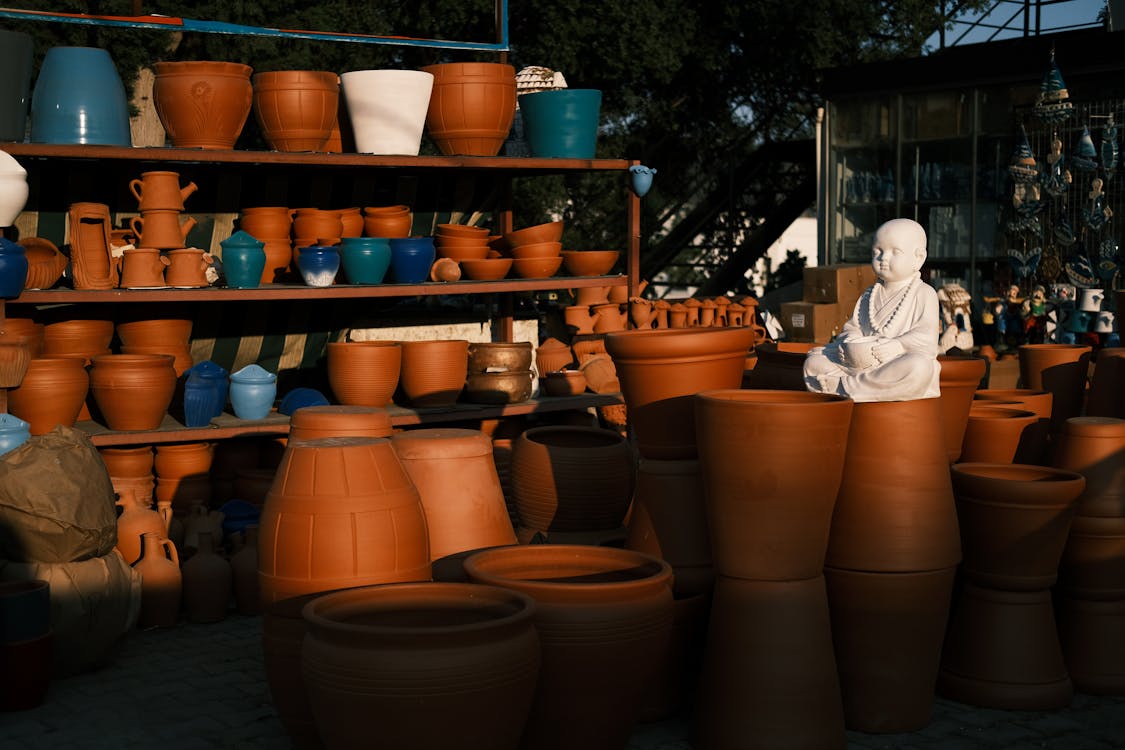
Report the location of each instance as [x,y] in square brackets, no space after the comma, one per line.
[841,283]
[812,321]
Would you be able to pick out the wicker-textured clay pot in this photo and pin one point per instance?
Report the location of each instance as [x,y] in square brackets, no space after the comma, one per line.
[997,434]
[472,107]
[604,618]
[202,103]
[296,109]
[959,379]
[342,512]
[364,373]
[660,371]
[459,487]
[1060,369]
[569,478]
[53,392]
[133,391]
[415,659]
[433,372]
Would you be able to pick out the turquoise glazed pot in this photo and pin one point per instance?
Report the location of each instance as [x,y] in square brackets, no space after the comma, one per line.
[79,98]
[252,392]
[411,258]
[366,259]
[244,260]
[562,123]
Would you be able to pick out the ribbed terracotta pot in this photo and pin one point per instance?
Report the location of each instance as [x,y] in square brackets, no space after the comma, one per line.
[415,659]
[342,512]
[569,478]
[133,391]
[604,618]
[84,337]
[296,109]
[315,422]
[769,511]
[202,103]
[997,434]
[1106,397]
[959,379]
[1095,448]
[53,392]
[364,373]
[472,107]
[179,460]
[433,372]
[769,672]
[1060,369]
[1035,443]
[155,331]
[459,488]
[661,370]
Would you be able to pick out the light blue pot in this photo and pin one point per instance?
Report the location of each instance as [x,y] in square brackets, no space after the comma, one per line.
[79,98]
[14,432]
[562,123]
[253,390]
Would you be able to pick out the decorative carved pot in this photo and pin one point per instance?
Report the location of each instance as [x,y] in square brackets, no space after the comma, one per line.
[202,103]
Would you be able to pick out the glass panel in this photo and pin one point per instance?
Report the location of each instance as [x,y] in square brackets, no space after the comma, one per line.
[856,230]
[939,171]
[865,176]
[937,115]
[863,122]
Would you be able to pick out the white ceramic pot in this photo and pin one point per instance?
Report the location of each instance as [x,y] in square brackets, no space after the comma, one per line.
[1090,300]
[1104,322]
[387,109]
[13,189]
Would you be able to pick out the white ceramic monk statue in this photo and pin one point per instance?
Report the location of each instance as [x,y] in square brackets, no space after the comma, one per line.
[888,350]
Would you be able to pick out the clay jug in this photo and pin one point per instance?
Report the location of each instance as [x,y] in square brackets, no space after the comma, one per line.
[188,267]
[136,519]
[161,581]
[143,268]
[161,228]
[244,569]
[160,190]
[207,582]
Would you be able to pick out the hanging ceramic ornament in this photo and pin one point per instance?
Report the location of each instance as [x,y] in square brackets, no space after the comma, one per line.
[1081,272]
[1085,156]
[640,179]
[1109,148]
[1096,213]
[1023,168]
[1109,260]
[1053,105]
[1056,177]
[1063,231]
[1025,262]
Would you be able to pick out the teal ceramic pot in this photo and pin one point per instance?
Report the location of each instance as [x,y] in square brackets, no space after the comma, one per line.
[244,260]
[15,83]
[365,259]
[79,98]
[252,392]
[562,123]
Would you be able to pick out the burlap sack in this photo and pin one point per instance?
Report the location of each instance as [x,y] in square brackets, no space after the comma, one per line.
[56,500]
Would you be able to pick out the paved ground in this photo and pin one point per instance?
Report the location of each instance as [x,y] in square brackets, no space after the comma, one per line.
[202,686]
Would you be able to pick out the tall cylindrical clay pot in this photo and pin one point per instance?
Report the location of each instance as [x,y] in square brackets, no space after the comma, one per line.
[1060,369]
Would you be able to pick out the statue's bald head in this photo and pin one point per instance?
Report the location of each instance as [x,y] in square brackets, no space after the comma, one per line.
[907,233]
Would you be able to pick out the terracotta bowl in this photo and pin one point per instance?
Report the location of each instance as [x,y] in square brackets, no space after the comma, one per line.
[537,250]
[454,240]
[461,230]
[537,268]
[477,252]
[549,232]
[589,262]
[563,383]
[385,210]
[486,269]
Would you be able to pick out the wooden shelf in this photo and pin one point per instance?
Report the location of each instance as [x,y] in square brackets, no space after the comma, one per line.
[229,426]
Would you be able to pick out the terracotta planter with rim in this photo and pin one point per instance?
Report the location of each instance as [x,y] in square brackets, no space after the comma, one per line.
[661,370]
[128,462]
[604,618]
[433,372]
[133,391]
[296,109]
[202,103]
[1095,448]
[179,460]
[472,107]
[1036,438]
[1060,369]
[998,435]
[959,379]
[53,392]
[364,373]
[84,337]
[778,366]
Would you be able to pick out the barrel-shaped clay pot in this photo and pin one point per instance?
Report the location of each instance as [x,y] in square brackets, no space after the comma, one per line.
[315,422]
[472,107]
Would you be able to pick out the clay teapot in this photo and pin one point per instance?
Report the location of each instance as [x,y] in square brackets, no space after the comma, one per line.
[161,228]
[609,317]
[188,267]
[143,267]
[157,190]
[642,312]
[579,316]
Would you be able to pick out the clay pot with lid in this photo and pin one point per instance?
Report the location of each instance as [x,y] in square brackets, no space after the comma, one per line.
[133,391]
[364,373]
[202,103]
[52,392]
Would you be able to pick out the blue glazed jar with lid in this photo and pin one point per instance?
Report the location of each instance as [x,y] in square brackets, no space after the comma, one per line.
[252,392]
[244,260]
[205,393]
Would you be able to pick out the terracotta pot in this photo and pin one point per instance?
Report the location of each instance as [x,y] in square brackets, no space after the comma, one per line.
[133,391]
[459,488]
[161,582]
[296,109]
[32,332]
[84,337]
[887,632]
[342,512]
[872,529]
[201,103]
[779,366]
[570,478]
[364,373]
[769,516]
[660,371]
[552,355]
[163,331]
[137,518]
[959,379]
[1034,441]
[207,581]
[769,670]
[996,434]
[604,618]
[1090,636]
[128,462]
[317,223]
[53,392]
[667,520]
[315,422]
[267,222]
[181,356]
[1002,651]
[1106,397]
[1093,562]
[180,460]
[1095,448]
[15,355]
[433,372]
[1014,521]
[472,107]
[283,631]
[395,225]
[672,692]
[1060,369]
[429,656]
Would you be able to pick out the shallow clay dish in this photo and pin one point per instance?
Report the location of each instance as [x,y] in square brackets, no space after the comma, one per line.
[486,269]
[589,262]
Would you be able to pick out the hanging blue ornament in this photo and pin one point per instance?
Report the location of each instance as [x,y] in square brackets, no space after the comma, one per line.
[1109,148]
[1022,167]
[1085,156]
[640,178]
[1053,105]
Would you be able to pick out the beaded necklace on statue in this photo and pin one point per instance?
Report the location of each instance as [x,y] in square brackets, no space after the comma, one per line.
[878,326]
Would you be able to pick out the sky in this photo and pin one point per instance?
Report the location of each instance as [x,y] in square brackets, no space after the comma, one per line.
[1053,16]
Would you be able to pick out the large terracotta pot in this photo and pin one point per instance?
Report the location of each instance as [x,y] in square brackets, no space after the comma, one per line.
[156,331]
[472,107]
[433,372]
[133,391]
[85,337]
[1034,443]
[342,512]
[53,392]
[769,672]
[315,422]
[202,103]
[283,632]
[1106,397]
[772,465]
[1095,448]
[660,371]
[1060,369]
[604,618]
[999,435]
[570,478]
[459,488]
[364,373]
[296,109]
[959,379]
[417,659]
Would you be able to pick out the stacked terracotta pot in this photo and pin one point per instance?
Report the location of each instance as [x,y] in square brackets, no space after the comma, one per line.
[183,475]
[273,226]
[148,330]
[162,236]
[693,312]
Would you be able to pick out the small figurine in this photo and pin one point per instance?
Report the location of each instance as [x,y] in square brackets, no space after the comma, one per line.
[888,350]
[957,331]
[1096,213]
[1056,177]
